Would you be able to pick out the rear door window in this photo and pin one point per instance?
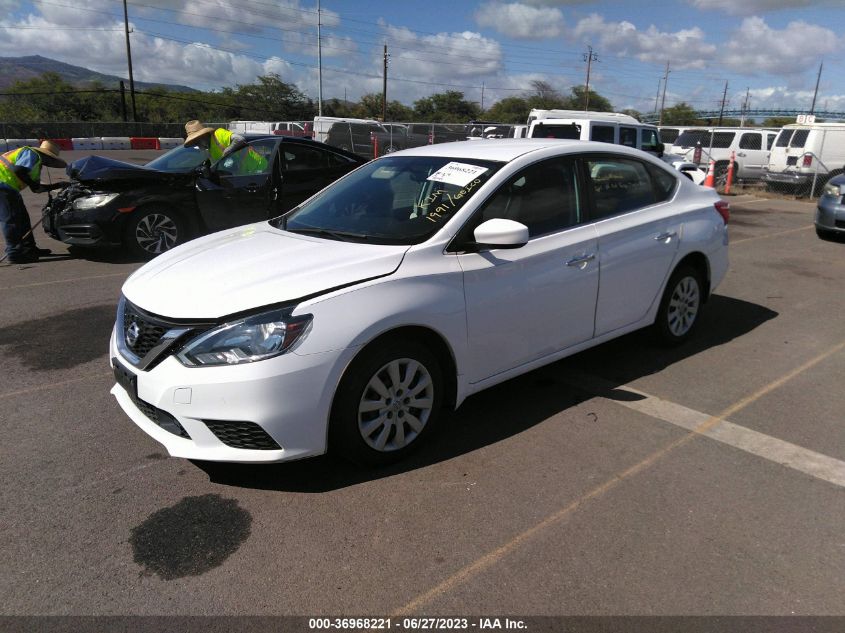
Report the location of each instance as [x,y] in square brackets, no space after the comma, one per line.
[618,185]
[628,136]
[770,138]
[783,138]
[721,140]
[669,134]
[751,140]
[799,138]
[603,133]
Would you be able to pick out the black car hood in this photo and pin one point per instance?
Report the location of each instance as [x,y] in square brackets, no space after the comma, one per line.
[93,168]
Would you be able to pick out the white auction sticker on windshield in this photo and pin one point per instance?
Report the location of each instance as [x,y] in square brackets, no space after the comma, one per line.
[459,174]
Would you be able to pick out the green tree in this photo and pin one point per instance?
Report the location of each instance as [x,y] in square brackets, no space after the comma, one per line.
[597,103]
[509,110]
[681,114]
[446,107]
[544,96]
[778,121]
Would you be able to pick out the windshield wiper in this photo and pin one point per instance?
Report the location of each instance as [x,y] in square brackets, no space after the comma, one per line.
[342,236]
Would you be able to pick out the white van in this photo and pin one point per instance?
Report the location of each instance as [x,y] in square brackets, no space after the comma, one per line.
[606,127]
[750,147]
[803,150]
[279,128]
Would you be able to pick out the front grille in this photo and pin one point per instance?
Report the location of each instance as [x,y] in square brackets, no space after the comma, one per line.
[161,418]
[149,331]
[242,435]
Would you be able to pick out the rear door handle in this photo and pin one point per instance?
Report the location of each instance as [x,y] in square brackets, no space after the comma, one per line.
[665,237]
[581,261]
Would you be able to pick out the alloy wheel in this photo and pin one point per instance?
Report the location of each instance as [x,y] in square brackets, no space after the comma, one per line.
[156,233]
[683,306]
[395,405]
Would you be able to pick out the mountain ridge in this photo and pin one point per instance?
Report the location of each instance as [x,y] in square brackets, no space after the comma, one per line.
[14,69]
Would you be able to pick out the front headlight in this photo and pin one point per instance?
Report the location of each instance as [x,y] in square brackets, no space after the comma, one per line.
[251,339]
[834,191]
[92,202]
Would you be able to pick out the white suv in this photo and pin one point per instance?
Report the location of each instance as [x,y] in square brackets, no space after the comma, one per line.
[751,148]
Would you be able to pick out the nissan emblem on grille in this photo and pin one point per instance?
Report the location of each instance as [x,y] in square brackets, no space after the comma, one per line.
[133,332]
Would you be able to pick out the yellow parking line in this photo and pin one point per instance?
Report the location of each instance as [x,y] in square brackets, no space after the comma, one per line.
[762,237]
[492,557]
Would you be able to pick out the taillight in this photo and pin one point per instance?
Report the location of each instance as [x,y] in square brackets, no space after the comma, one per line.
[724,210]
[808,160]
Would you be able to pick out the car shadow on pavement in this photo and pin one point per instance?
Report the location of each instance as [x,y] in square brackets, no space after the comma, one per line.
[511,407]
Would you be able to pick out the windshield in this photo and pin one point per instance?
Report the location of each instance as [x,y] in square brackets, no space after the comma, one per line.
[179,159]
[394,200]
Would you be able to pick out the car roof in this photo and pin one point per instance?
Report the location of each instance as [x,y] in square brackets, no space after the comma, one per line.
[508,149]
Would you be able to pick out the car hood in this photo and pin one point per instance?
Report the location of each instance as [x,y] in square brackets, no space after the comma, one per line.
[249,267]
[93,168]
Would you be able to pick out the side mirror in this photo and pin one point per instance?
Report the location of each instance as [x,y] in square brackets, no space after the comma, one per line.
[500,233]
[204,169]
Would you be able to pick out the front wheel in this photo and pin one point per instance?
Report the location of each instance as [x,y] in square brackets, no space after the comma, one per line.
[387,403]
[680,306]
[153,230]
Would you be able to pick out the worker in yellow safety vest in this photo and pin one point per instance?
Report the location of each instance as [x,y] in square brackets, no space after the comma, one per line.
[21,168]
[220,143]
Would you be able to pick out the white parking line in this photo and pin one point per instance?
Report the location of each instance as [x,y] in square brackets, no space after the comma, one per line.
[771,448]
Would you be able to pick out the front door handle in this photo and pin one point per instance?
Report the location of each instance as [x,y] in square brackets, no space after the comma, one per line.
[666,237]
[581,261]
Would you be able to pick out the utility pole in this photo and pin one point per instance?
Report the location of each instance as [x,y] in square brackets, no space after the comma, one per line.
[319,64]
[816,93]
[663,101]
[724,98]
[384,87]
[745,106]
[123,101]
[482,96]
[589,57]
[129,58]
[657,96]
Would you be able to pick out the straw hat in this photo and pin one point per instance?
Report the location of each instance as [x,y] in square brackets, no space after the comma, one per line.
[194,130]
[50,154]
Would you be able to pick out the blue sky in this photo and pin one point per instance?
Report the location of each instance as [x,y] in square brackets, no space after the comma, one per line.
[769,49]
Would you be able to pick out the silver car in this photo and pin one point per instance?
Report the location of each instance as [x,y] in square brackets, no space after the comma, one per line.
[830,214]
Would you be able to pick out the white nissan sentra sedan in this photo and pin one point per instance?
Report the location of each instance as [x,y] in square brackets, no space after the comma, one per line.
[351,322]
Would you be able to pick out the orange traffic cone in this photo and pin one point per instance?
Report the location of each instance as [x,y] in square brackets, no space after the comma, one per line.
[710,180]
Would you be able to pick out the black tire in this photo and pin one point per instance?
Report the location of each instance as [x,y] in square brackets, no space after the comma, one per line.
[680,307]
[361,418]
[154,229]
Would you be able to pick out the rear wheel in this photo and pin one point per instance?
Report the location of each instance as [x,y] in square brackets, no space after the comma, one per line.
[387,403]
[153,230]
[680,306]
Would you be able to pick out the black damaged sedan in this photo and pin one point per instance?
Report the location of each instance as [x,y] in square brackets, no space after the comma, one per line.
[151,208]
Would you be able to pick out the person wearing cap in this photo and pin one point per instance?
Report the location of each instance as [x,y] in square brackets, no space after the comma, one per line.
[221,142]
[21,168]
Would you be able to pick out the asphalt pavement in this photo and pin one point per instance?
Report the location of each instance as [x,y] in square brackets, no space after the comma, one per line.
[626,480]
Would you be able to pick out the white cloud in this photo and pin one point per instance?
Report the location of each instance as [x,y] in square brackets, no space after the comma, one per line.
[685,48]
[519,20]
[782,97]
[756,47]
[758,7]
